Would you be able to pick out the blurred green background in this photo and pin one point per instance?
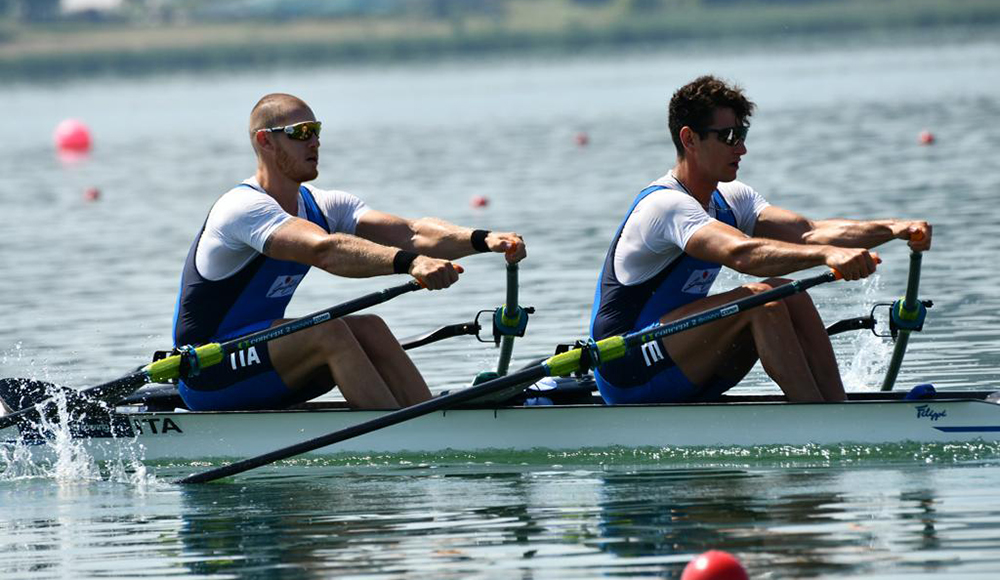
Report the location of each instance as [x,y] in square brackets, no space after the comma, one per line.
[51,39]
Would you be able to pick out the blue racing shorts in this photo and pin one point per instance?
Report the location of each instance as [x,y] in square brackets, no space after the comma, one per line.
[245,380]
[647,374]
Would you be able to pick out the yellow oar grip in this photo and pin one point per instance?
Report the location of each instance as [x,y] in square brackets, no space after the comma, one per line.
[565,363]
[170,368]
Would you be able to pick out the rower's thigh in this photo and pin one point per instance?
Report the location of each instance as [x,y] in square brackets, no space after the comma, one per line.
[301,357]
[723,348]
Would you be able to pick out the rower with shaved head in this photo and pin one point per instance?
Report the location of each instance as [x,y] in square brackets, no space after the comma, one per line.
[260,239]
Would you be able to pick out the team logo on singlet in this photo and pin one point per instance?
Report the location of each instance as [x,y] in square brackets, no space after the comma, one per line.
[244,358]
[700,281]
[284,286]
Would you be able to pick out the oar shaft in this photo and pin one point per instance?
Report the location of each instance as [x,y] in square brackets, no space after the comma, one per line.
[509,316]
[910,305]
[436,404]
[319,317]
[734,307]
[615,347]
[214,353]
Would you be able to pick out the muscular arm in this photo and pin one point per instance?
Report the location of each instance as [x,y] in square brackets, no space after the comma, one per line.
[433,237]
[302,241]
[352,256]
[781,224]
[758,256]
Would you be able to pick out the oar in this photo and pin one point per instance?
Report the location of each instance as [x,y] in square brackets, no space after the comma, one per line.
[173,367]
[559,365]
[908,315]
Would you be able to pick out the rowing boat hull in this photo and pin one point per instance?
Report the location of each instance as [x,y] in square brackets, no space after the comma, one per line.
[746,421]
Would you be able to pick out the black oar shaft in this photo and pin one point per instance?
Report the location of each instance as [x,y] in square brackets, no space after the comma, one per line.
[910,304]
[319,317]
[734,307]
[439,403]
[214,353]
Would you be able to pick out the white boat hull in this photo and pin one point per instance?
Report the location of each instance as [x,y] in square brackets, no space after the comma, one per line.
[751,421]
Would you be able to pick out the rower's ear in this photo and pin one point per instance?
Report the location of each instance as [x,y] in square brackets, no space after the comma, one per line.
[687,137]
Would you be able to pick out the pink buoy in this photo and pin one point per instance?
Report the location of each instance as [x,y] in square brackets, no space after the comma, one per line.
[92,194]
[926,138]
[72,135]
[479,201]
[714,565]
[582,139]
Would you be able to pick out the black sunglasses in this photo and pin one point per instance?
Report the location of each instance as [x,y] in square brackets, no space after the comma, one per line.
[300,131]
[731,136]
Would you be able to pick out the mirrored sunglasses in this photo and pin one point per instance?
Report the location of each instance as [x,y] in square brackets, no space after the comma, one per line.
[300,131]
[731,136]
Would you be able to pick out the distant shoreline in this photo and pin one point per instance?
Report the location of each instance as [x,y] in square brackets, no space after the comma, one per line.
[51,53]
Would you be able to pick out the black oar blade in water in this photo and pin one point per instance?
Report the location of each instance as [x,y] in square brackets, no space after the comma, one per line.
[17,394]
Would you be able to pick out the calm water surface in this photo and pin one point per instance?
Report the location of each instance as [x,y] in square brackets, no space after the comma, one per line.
[88,291]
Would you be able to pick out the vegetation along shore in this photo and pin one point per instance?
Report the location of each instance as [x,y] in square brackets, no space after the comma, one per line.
[208,37]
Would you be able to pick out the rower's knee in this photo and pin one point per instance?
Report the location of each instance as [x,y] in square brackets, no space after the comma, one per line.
[801,301]
[334,336]
[771,311]
[781,309]
[369,328]
[796,304]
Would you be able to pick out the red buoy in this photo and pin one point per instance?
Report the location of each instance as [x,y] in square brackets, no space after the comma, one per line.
[92,194]
[582,139]
[926,137]
[479,201]
[72,135]
[714,565]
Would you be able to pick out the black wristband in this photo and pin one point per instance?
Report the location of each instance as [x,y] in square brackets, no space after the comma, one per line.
[479,240]
[402,260]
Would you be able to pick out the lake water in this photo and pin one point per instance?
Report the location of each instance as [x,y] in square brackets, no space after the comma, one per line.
[88,290]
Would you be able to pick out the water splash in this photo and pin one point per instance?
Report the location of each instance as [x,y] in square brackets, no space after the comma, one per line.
[66,459]
[72,463]
[864,370]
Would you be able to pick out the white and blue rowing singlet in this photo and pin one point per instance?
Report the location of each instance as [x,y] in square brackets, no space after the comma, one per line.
[229,287]
[646,273]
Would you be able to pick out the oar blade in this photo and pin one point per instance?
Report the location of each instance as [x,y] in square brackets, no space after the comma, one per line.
[17,394]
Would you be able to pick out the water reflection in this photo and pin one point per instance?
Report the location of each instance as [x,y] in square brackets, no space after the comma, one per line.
[459,520]
[455,520]
[267,531]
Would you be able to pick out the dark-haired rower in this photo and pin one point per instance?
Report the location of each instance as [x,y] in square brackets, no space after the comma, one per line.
[678,233]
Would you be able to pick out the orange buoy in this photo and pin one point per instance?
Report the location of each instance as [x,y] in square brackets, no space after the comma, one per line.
[926,137]
[479,201]
[72,135]
[714,565]
[582,139]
